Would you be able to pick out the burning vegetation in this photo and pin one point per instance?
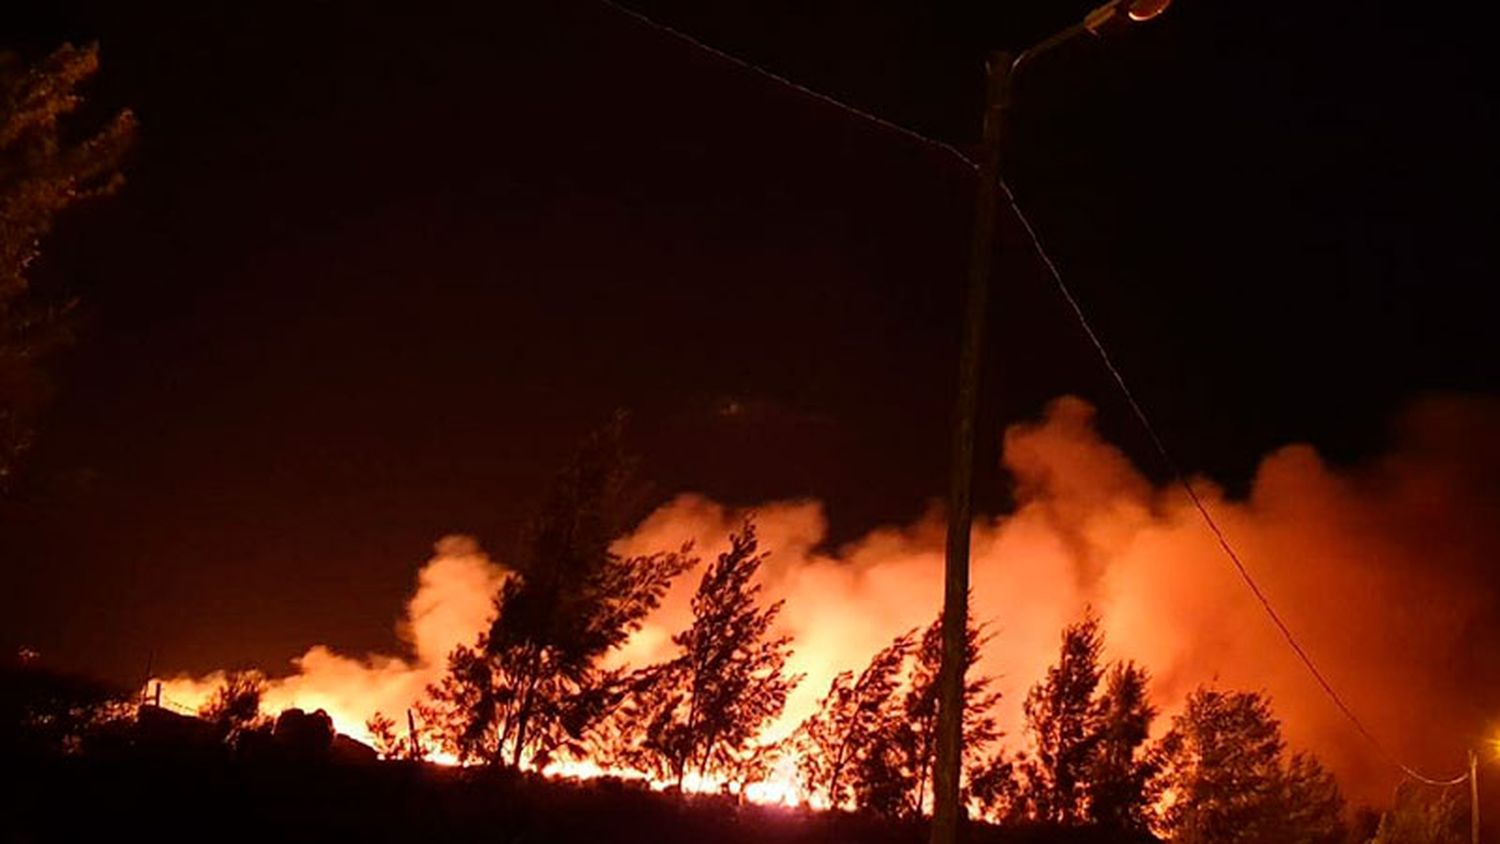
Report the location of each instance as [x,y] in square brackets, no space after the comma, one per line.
[734,659]
[782,674]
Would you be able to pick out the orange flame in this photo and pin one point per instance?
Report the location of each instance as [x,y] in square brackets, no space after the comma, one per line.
[1345,553]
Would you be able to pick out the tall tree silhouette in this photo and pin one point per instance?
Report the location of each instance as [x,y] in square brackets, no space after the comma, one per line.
[834,741]
[1424,815]
[531,685]
[44,169]
[1062,719]
[1225,780]
[703,710]
[1119,772]
[1088,763]
[894,777]
[1312,803]
[466,709]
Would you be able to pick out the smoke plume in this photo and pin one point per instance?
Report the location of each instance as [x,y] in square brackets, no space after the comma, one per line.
[453,602]
[1380,569]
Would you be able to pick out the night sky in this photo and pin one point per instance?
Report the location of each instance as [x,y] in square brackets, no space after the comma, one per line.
[377,271]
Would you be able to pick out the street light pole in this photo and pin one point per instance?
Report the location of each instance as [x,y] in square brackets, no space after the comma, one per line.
[947,808]
[946,772]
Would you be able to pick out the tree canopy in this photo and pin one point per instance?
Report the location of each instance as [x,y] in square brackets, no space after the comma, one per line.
[872,743]
[47,165]
[1088,764]
[703,711]
[531,685]
[1224,777]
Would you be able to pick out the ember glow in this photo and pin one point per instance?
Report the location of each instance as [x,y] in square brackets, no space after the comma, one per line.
[1375,566]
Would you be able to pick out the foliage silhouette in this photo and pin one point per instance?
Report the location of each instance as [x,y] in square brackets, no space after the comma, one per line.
[1089,764]
[271,798]
[1224,778]
[383,736]
[893,776]
[44,169]
[1423,815]
[45,712]
[1222,770]
[531,687]
[703,711]
[833,742]
[1062,718]
[1119,772]
[234,708]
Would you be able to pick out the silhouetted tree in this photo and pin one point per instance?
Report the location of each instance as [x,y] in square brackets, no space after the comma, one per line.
[383,738]
[894,776]
[44,712]
[1312,803]
[465,708]
[1088,764]
[993,788]
[1119,772]
[703,710]
[531,685]
[235,706]
[1363,823]
[1224,780]
[750,764]
[854,714]
[1221,769]
[1425,815]
[43,170]
[1062,718]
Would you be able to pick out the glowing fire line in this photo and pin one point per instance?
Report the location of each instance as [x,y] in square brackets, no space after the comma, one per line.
[1088,530]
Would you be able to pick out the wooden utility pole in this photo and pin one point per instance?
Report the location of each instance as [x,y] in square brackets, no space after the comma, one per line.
[946,809]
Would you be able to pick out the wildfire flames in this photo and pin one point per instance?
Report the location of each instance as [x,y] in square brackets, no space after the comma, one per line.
[1377,567]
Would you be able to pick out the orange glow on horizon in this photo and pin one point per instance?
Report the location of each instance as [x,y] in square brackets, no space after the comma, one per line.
[1088,530]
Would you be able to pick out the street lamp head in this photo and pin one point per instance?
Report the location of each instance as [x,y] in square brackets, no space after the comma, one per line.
[1144,10]
[1116,12]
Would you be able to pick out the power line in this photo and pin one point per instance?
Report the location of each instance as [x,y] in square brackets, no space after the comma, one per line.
[896,128]
[1104,356]
[1192,494]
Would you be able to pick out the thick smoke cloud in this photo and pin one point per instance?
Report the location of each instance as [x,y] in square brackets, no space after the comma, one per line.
[452,603]
[1381,569]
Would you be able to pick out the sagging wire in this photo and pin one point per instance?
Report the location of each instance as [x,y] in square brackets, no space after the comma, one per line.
[1136,409]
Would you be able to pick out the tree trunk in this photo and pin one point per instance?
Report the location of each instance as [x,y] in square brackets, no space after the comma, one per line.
[523,710]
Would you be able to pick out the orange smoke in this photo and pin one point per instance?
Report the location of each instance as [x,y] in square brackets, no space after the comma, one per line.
[452,603]
[1377,568]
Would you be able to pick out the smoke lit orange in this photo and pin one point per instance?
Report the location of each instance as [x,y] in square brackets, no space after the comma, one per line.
[1359,560]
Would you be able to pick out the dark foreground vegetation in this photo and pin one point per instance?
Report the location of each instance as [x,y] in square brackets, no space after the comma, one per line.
[533,690]
[84,761]
[65,799]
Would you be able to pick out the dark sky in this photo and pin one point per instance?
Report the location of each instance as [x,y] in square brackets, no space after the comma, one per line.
[377,270]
